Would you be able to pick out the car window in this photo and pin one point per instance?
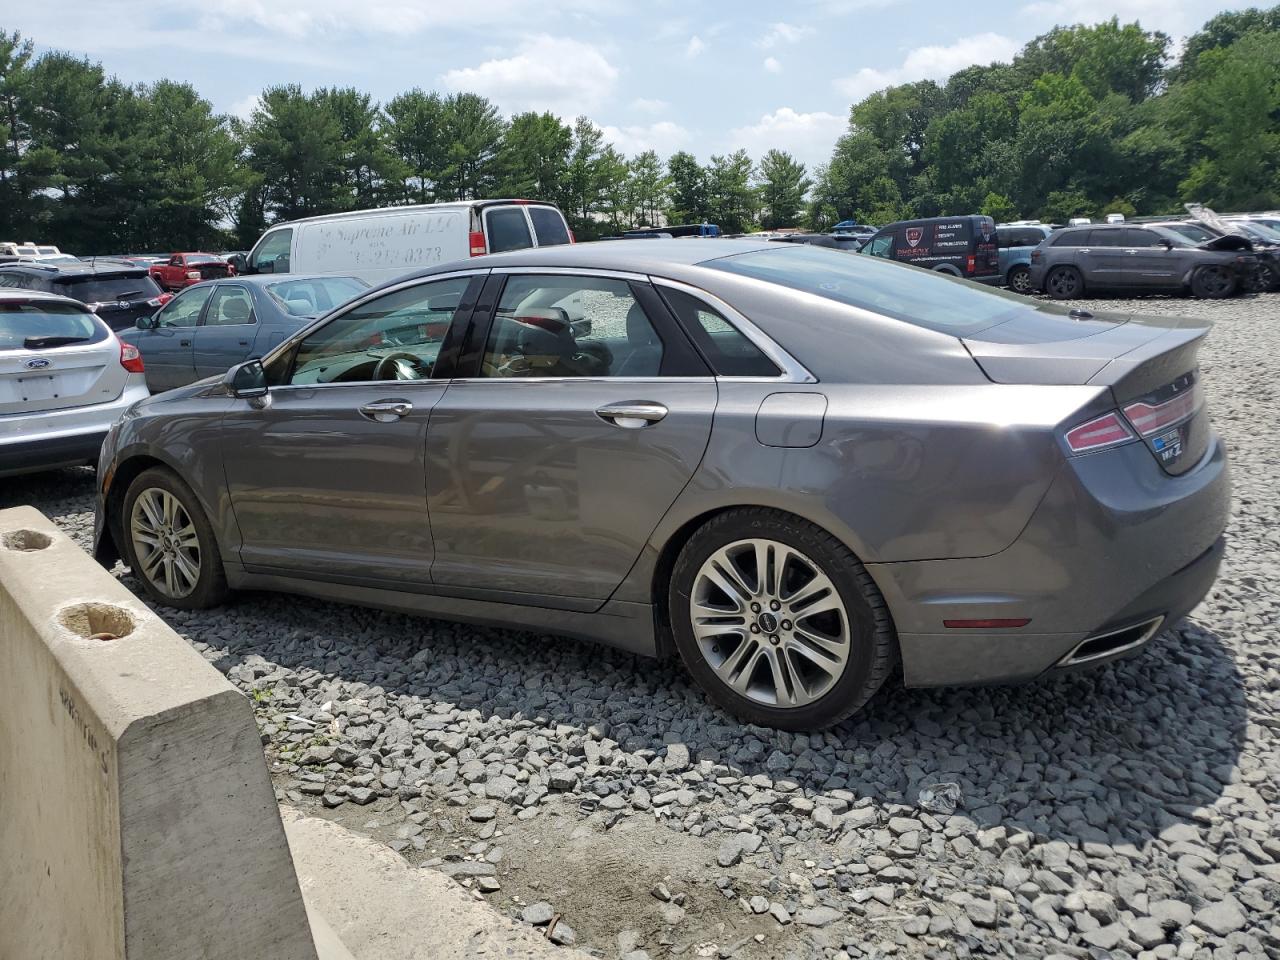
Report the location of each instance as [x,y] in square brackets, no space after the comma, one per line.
[879,246]
[549,226]
[18,280]
[98,289]
[184,309]
[1072,238]
[556,326]
[231,306]
[508,229]
[393,337]
[315,295]
[1192,232]
[1107,238]
[923,298]
[34,325]
[730,351]
[272,253]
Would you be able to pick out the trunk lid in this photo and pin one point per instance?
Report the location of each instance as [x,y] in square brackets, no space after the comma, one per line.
[1148,363]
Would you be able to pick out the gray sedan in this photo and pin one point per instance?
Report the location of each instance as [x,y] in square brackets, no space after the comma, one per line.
[792,468]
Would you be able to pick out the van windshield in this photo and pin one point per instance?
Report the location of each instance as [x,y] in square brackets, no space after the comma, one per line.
[924,298]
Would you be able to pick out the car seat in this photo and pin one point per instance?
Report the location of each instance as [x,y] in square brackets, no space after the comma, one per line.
[645,357]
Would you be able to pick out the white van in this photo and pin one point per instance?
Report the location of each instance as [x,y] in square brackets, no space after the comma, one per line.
[380,245]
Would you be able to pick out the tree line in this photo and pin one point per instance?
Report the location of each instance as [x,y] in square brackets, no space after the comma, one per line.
[1084,120]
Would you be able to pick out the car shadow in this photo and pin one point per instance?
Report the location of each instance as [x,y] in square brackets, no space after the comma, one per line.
[1113,755]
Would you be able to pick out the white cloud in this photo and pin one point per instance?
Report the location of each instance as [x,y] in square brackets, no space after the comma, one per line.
[695,47]
[779,33]
[565,76]
[773,64]
[300,18]
[809,137]
[663,136]
[646,105]
[930,63]
[1176,19]
[244,108]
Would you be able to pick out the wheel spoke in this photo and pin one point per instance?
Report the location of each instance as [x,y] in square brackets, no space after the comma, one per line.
[151,511]
[189,571]
[187,537]
[784,682]
[823,651]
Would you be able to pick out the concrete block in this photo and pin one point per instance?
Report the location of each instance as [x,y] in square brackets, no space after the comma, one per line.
[137,818]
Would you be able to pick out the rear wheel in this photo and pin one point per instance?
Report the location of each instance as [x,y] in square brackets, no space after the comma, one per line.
[169,543]
[778,621]
[1213,282]
[1019,280]
[1064,283]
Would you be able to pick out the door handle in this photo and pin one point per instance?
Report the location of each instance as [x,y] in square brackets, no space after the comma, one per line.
[244,343]
[385,411]
[633,414]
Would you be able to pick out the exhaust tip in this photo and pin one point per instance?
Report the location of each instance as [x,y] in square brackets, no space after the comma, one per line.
[1111,643]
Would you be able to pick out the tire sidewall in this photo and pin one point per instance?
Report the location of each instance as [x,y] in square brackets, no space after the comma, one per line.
[1197,285]
[850,688]
[1064,271]
[211,585]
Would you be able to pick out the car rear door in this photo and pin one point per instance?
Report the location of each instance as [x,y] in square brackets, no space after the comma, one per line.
[327,476]
[226,332]
[1103,260]
[579,414]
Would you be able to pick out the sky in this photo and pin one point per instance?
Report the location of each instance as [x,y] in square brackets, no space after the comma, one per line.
[707,77]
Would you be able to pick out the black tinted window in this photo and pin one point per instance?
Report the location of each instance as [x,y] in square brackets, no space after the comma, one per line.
[1072,238]
[731,353]
[508,230]
[549,226]
[107,289]
[1107,238]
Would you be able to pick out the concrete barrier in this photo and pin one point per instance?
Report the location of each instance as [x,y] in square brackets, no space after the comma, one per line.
[137,818]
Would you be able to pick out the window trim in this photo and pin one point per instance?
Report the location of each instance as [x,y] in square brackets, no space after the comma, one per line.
[793,371]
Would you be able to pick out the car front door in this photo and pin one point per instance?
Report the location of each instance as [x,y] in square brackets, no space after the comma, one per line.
[326,477]
[225,335]
[168,347]
[1155,264]
[580,412]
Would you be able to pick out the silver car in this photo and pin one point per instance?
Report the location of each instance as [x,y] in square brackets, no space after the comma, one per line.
[64,380]
[794,468]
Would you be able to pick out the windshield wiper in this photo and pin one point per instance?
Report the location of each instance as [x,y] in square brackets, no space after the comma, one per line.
[43,343]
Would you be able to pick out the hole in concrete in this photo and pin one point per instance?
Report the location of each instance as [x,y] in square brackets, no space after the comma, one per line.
[25,541]
[97,621]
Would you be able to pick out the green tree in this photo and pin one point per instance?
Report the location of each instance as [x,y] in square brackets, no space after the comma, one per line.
[1061,138]
[413,124]
[998,207]
[650,187]
[783,185]
[535,157]
[1105,57]
[688,189]
[364,158]
[294,147]
[731,199]
[15,189]
[473,132]
[1222,31]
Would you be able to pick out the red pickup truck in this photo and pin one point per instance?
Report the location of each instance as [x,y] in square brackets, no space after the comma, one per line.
[184,269]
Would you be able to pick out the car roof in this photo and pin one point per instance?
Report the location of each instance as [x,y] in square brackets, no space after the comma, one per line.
[58,268]
[8,295]
[412,208]
[634,256]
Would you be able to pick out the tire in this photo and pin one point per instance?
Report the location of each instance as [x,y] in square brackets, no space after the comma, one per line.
[1213,282]
[1064,283]
[188,544]
[847,618]
[1019,280]
[1269,277]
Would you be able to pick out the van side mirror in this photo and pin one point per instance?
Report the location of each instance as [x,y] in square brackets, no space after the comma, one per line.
[246,380]
[240,263]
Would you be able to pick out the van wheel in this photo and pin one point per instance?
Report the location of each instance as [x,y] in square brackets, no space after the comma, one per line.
[1019,280]
[1213,282]
[1064,283]
[778,621]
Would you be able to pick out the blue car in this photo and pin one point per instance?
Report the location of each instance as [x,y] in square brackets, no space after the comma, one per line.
[210,327]
[1014,243]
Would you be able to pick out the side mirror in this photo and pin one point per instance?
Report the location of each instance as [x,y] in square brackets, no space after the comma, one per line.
[146,323]
[240,262]
[1167,244]
[246,380]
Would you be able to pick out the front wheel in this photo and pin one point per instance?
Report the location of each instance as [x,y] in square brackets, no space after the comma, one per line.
[778,621]
[169,543]
[1064,283]
[1019,280]
[1213,282]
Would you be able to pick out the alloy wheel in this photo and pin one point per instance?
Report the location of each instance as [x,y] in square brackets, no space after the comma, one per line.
[1020,281]
[1214,281]
[770,622]
[1063,283]
[165,542]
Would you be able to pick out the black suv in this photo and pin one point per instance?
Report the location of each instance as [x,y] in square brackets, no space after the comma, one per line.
[961,246]
[117,293]
[1132,259]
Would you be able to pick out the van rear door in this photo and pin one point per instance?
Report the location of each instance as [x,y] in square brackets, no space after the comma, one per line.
[519,225]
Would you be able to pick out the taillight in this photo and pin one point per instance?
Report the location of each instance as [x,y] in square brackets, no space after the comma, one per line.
[1150,418]
[130,358]
[160,301]
[478,247]
[1035,256]
[970,263]
[571,237]
[1107,430]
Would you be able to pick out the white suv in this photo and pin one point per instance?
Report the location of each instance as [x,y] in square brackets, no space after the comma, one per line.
[65,378]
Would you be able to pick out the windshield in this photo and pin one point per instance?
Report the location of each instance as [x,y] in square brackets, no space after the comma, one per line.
[1260,231]
[45,324]
[1192,232]
[920,297]
[100,289]
[202,258]
[1174,237]
[312,297]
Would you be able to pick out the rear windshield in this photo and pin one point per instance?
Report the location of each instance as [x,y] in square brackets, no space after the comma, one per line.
[507,229]
[34,325]
[90,289]
[310,298]
[924,298]
[549,226]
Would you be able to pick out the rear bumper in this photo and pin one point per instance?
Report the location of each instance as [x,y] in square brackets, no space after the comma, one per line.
[62,438]
[1115,543]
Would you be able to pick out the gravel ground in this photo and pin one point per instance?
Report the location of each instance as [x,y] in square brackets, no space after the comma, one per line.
[1129,812]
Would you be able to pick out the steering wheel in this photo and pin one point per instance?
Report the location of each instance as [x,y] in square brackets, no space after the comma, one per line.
[401,366]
